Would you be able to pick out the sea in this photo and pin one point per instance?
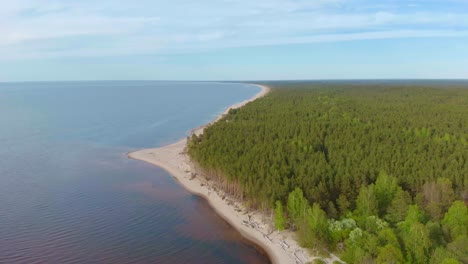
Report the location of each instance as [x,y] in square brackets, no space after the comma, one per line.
[70,194]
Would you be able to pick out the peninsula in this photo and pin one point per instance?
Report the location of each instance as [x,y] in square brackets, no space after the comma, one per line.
[282,247]
[359,168]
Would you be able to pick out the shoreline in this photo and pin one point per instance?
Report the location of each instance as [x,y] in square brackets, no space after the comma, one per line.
[281,247]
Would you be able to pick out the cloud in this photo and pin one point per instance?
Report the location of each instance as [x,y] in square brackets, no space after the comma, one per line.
[58,28]
[60,24]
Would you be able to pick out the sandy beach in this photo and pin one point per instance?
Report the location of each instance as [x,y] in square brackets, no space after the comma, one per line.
[281,247]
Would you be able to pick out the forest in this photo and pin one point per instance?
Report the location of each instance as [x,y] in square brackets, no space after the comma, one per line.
[375,172]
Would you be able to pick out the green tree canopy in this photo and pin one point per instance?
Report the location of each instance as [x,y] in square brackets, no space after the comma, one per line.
[367,203]
[417,243]
[455,220]
[297,206]
[391,158]
[385,189]
[280,221]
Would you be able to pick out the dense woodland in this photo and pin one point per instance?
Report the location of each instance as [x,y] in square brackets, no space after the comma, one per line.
[376,172]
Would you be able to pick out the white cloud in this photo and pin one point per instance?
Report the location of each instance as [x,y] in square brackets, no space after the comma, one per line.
[39,29]
[66,25]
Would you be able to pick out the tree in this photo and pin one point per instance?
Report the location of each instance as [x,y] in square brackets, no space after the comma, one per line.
[450,261]
[331,210]
[315,230]
[389,254]
[361,247]
[297,206]
[435,233]
[417,243]
[280,221]
[374,224]
[455,221]
[440,254]
[438,195]
[398,208]
[343,204]
[385,189]
[387,236]
[366,203]
[459,248]
[414,215]
[326,143]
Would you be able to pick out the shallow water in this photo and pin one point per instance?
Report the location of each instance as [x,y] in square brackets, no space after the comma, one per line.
[68,193]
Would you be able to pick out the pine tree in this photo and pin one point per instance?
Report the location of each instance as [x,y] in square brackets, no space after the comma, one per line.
[280,221]
[366,203]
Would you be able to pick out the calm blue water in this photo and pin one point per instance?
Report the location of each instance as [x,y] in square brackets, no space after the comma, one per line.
[68,192]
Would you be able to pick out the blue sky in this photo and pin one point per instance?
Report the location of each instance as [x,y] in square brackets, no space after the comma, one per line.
[232,40]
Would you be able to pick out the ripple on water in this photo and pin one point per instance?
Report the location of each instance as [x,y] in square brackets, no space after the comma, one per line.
[68,194]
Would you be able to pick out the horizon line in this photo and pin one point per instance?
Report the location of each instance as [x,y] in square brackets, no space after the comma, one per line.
[247,81]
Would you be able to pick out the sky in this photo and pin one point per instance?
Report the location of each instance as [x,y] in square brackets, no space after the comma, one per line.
[47,40]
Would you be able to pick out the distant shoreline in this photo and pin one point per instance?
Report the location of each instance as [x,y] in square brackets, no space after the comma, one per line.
[281,247]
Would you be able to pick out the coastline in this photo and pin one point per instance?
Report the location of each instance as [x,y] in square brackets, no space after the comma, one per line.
[281,247]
